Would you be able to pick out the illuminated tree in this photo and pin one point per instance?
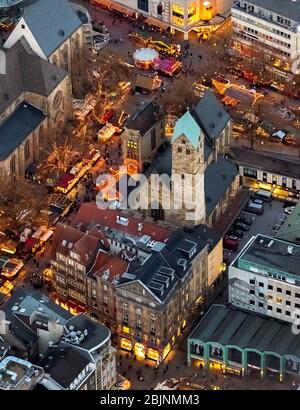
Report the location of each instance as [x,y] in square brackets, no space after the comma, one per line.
[20,203]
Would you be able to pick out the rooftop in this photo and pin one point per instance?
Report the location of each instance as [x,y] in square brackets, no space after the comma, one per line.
[247,157]
[211,115]
[290,229]
[285,8]
[218,177]
[51,23]
[64,364]
[270,255]
[17,127]
[27,72]
[144,118]
[18,374]
[188,126]
[86,333]
[229,326]
[90,215]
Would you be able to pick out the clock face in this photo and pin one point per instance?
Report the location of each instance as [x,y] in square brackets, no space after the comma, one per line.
[57,99]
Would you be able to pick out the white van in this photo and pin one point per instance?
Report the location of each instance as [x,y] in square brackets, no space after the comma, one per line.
[263,194]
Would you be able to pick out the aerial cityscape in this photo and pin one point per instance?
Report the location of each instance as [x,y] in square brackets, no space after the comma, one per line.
[150,195]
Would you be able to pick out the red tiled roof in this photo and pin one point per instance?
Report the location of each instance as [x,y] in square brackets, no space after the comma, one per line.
[84,244]
[108,262]
[89,212]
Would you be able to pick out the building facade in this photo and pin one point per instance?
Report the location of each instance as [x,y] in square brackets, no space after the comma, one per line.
[244,344]
[264,278]
[29,111]
[179,15]
[137,274]
[268,31]
[280,176]
[143,136]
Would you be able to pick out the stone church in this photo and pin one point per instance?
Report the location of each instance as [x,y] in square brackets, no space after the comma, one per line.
[203,180]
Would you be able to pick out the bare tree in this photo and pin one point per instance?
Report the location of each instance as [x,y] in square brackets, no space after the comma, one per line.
[21,202]
[106,75]
[178,96]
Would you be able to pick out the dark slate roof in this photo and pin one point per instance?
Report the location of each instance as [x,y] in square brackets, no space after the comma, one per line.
[210,115]
[51,23]
[31,301]
[17,127]
[268,163]
[27,72]
[217,179]
[285,8]
[63,364]
[96,332]
[144,118]
[8,3]
[230,326]
[173,259]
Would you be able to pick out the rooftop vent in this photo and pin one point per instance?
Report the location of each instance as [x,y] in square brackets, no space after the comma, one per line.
[212,125]
[61,32]
[220,114]
[122,221]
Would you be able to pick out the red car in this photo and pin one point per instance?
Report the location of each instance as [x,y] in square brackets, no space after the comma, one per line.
[108,115]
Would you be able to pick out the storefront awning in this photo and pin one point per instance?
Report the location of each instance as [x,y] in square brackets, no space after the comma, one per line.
[156,22]
[96,3]
[122,9]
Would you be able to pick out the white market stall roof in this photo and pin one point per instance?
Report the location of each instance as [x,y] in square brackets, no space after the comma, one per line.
[145,54]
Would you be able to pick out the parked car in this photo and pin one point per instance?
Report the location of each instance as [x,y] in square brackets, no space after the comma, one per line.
[241,226]
[230,244]
[254,208]
[244,220]
[236,232]
[258,201]
[289,210]
[231,236]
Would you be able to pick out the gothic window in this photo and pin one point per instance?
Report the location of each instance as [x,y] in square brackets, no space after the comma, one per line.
[13,164]
[27,150]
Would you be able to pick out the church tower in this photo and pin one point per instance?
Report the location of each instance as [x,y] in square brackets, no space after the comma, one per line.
[188,167]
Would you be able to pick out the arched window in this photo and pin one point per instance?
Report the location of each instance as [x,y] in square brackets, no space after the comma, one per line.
[55,60]
[13,164]
[27,150]
[64,57]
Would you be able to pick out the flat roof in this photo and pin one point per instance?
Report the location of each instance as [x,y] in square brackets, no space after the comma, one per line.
[263,162]
[290,230]
[230,326]
[286,8]
[270,255]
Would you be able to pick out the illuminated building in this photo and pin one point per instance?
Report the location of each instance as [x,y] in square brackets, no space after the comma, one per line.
[144,134]
[269,31]
[236,342]
[138,274]
[179,15]
[264,278]
[281,176]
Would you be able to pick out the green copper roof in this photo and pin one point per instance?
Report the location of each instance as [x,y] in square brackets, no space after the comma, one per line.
[187,125]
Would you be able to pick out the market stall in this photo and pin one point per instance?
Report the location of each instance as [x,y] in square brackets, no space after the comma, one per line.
[145,57]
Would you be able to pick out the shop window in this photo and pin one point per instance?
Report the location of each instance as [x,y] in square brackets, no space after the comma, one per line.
[251,173]
[143,5]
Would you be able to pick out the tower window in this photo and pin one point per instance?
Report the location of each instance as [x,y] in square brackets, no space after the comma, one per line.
[188,152]
[179,149]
